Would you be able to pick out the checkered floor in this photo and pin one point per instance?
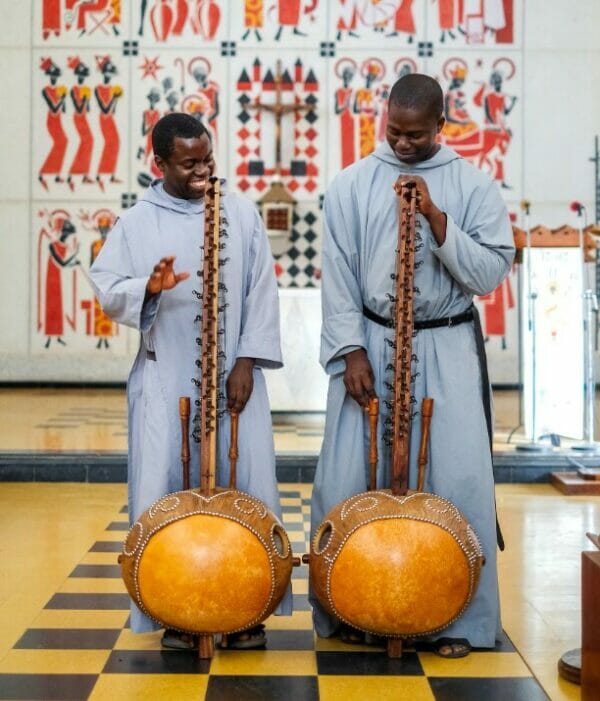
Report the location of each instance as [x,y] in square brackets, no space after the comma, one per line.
[80,647]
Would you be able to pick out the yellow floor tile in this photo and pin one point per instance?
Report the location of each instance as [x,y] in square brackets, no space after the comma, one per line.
[299,620]
[85,585]
[477,664]
[264,662]
[336,645]
[94,558]
[112,537]
[146,687]
[296,537]
[292,518]
[138,641]
[385,688]
[300,586]
[55,618]
[54,661]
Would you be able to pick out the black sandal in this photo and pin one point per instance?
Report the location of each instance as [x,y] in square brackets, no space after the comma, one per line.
[175,640]
[251,639]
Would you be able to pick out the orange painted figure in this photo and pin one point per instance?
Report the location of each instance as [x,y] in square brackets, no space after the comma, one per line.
[365,106]
[458,120]
[254,18]
[104,326]
[54,96]
[107,96]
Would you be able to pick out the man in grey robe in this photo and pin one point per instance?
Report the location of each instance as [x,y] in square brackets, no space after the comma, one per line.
[136,283]
[467,249]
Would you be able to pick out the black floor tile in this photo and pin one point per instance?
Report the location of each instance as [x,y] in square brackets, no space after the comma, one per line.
[106,546]
[118,526]
[247,688]
[486,689]
[502,645]
[289,494]
[97,571]
[301,603]
[302,571]
[48,687]
[294,526]
[103,602]
[367,663]
[155,662]
[290,640]
[68,639]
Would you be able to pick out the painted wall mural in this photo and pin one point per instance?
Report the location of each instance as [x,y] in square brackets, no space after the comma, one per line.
[319,73]
[67,314]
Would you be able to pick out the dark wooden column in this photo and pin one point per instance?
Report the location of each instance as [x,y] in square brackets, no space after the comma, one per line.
[590,626]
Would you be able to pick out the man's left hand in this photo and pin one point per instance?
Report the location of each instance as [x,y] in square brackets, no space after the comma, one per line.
[425,205]
[240,384]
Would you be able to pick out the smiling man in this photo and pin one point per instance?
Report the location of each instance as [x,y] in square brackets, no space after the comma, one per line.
[147,277]
[466,249]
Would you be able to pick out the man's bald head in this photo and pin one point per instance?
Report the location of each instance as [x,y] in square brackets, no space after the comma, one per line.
[418,92]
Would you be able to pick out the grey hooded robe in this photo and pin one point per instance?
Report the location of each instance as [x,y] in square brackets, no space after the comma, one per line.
[361,230]
[160,225]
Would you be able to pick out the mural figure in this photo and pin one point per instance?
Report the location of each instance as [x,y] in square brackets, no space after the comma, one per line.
[150,116]
[107,96]
[365,105]
[169,18]
[55,97]
[378,14]
[289,14]
[497,106]
[204,103]
[486,142]
[458,121]
[103,326]
[481,16]
[404,21]
[98,12]
[84,16]
[345,69]
[495,307]
[450,17]
[80,96]
[347,19]
[61,254]
[254,18]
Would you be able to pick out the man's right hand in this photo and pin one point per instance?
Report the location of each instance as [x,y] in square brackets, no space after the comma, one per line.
[358,377]
[163,277]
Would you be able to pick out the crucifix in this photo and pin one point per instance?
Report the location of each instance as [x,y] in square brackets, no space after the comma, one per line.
[279,109]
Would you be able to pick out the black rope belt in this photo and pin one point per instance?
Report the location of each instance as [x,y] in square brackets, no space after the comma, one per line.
[425,323]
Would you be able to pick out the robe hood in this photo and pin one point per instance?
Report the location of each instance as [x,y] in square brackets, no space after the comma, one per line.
[157,196]
[444,156]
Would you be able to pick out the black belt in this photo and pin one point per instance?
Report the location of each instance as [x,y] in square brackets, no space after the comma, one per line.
[425,323]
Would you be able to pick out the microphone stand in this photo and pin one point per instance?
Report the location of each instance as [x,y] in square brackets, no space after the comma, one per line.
[532,445]
[590,308]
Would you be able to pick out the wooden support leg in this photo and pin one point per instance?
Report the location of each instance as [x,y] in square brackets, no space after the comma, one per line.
[590,637]
[394,648]
[206,647]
